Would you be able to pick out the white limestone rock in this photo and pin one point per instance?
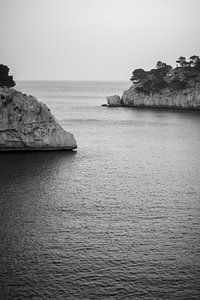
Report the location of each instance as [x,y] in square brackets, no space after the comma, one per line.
[188,98]
[184,99]
[27,124]
[114,100]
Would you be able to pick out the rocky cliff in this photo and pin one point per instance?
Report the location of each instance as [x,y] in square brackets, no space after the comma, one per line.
[188,98]
[27,124]
[164,86]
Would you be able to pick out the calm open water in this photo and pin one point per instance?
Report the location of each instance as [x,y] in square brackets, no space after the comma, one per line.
[119,218]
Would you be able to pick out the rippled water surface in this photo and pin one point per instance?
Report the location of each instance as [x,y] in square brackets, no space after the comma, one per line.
[119,218]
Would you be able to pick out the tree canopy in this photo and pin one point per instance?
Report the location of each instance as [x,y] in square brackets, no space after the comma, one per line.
[5,79]
[165,76]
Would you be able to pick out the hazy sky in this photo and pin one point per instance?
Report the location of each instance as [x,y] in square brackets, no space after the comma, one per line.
[95,39]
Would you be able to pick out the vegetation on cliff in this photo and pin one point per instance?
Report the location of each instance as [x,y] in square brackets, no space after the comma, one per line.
[5,79]
[185,75]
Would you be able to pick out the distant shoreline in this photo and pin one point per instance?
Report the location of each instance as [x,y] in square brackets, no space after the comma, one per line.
[143,107]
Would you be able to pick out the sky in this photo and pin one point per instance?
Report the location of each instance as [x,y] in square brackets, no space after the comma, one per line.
[95,39]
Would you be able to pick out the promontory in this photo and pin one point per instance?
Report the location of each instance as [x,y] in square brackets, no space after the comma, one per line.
[27,124]
[163,86]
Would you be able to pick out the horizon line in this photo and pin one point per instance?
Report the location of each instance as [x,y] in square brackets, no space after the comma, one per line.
[89,80]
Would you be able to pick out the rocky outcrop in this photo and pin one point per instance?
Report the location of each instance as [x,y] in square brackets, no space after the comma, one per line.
[5,79]
[181,99]
[27,124]
[114,100]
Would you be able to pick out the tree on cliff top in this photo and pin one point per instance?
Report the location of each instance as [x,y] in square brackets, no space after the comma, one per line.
[164,76]
[181,61]
[5,79]
[194,60]
[139,75]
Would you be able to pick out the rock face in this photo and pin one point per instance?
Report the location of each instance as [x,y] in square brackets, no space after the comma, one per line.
[27,124]
[114,100]
[5,79]
[184,99]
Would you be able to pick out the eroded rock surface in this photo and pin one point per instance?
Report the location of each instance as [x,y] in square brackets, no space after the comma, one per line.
[27,124]
[184,99]
[114,100]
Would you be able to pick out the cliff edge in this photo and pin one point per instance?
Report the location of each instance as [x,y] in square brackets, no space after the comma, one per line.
[164,87]
[27,124]
[185,99]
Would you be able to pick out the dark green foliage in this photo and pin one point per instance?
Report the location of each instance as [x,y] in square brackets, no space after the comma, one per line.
[5,79]
[139,75]
[182,61]
[197,64]
[176,84]
[151,85]
[164,76]
[163,69]
[194,60]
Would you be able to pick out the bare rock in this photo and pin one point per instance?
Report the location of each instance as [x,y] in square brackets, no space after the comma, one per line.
[188,98]
[114,100]
[27,124]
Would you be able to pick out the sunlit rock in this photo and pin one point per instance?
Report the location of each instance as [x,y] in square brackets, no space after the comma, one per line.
[27,124]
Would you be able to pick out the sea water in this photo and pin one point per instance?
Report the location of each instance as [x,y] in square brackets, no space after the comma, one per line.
[119,218]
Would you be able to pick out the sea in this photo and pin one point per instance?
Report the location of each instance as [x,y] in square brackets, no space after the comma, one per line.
[117,219]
